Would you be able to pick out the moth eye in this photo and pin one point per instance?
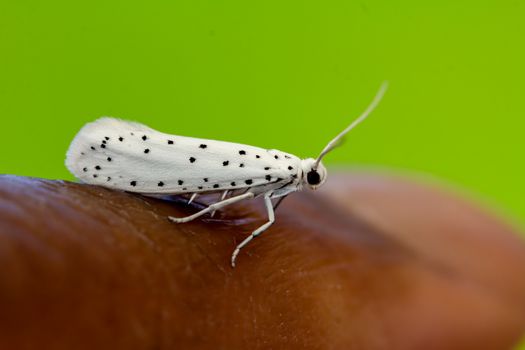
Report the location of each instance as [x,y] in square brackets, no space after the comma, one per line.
[313,177]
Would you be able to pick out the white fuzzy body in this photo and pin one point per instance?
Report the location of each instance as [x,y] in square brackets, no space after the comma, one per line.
[162,163]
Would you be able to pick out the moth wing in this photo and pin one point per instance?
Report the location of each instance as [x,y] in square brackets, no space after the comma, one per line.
[133,157]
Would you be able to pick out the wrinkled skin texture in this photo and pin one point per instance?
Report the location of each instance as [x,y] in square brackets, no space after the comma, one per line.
[366,262]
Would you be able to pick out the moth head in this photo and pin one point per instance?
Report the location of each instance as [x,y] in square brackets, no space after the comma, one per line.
[314,174]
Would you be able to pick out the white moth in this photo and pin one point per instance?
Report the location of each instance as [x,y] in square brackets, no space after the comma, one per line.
[132,157]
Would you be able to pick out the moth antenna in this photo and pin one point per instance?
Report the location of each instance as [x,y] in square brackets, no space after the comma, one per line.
[336,140]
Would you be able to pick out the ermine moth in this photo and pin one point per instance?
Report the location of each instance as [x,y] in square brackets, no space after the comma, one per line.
[132,157]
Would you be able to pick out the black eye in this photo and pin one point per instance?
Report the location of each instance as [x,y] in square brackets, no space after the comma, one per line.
[313,177]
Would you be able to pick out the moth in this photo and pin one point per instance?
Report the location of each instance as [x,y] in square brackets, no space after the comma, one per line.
[132,157]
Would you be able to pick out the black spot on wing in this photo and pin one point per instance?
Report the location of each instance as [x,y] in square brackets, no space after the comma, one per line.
[107,138]
[97,167]
[93,148]
[203,146]
[146,150]
[121,139]
[233,184]
[170,142]
[216,186]
[268,177]
[248,182]
[133,183]
[242,152]
[241,165]
[205,179]
[109,159]
[225,163]
[102,146]
[160,184]
[144,138]
[180,182]
[192,160]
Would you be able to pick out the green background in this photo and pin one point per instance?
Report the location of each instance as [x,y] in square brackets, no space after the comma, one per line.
[277,74]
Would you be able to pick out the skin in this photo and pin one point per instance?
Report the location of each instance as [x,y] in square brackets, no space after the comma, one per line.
[366,262]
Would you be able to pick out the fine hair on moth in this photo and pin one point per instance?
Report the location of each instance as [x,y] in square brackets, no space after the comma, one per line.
[132,157]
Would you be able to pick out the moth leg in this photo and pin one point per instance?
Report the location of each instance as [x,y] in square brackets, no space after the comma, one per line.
[212,207]
[193,196]
[271,219]
[222,198]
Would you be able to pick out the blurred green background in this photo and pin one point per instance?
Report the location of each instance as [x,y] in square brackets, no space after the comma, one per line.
[277,74]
